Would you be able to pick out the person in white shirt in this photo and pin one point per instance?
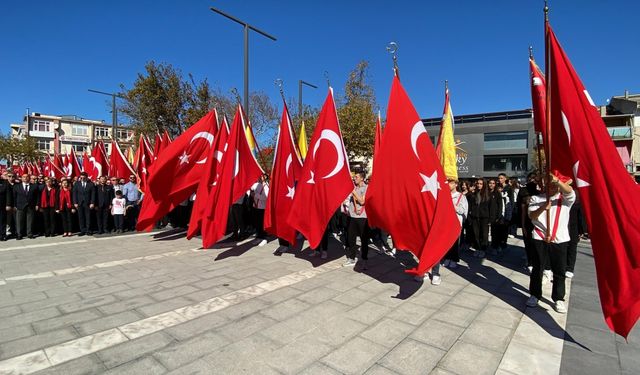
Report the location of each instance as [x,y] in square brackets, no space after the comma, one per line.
[551,245]
[118,211]
[259,193]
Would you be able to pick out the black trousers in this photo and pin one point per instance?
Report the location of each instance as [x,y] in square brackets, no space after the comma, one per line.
[454,252]
[499,233]
[556,256]
[102,218]
[358,227]
[118,222]
[572,249]
[11,221]
[3,221]
[480,232]
[24,221]
[237,219]
[49,217]
[66,220]
[84,218]
[258,222]
[132,216]
[324,243]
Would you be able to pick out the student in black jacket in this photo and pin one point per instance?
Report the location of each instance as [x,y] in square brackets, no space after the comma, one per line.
[480,211]
[25,203]
[6,205]
[84,198]
[104,195]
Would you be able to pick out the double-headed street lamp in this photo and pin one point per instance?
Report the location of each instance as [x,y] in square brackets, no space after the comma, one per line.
[114,111]
[247,27]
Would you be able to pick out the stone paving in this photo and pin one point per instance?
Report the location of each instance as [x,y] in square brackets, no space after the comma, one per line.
[157,303]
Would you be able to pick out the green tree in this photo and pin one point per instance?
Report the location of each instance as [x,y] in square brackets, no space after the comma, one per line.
[356,113]
[18,150]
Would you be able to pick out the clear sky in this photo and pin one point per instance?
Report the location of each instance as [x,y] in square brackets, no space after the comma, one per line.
[51,52]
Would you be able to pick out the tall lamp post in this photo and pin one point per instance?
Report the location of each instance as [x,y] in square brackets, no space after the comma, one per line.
[114,111]
[300,83]
[246,27]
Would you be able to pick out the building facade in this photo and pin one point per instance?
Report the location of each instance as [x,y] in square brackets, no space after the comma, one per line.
[65,133]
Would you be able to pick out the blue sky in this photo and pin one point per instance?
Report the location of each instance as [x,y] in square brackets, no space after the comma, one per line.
[51,52]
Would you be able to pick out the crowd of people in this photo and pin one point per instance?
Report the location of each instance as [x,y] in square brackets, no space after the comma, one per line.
[486,208]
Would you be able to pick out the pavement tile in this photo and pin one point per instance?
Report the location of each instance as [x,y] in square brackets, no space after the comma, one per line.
[182,353]
[521,359]
[31,343]
[460,316]
[82,366]
[318,368]
[202,295]
[87,304]
[65,320]
[243,309]
[458,360]
[533,335]
[299,354]
[440,371]
[146,365]
[247,356]
[283,310]
[337,330]
[487,335]
[318,295]
[164,306]
[430,299]
[198,367]
[438,334]
[9,311]
[241,328]
[388,332]
[368,312]
[28,317]
[108,322]
[125,305]
[197,326]
[379,370]
[411,313]
[130,350]
[501,317]
[354,357]
[412,357]
[15,332]
[354,296]
[629,358]
[469,300]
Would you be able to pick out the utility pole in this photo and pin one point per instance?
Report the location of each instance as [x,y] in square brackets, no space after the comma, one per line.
[114,111]
[246,27]
[300,83]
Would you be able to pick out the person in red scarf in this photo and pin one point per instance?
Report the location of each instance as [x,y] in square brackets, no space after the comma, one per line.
[48,200]
[551,244]
[65,207]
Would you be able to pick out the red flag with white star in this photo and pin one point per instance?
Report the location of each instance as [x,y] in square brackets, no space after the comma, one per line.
[208,182]
[142,162]
[286,170]
[118,164]
[408,195]
[72,166]
[239,170]
[325,178]
[538,98]
[581,147]
[175,174]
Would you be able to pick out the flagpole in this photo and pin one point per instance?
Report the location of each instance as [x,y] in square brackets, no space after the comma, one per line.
[547,114]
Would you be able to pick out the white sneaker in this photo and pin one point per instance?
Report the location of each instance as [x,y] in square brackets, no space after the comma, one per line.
[568,275]
[530,268]
[548,275]
[532,301]
[349,263]
[560,307]
[453,265]
[323,255]
[446,263]
[511,236]
[435,280]
[262,243]
[313,254]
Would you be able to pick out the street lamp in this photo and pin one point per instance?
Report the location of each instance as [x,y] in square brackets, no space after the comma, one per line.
[300,83]
[246,27]
[114,111]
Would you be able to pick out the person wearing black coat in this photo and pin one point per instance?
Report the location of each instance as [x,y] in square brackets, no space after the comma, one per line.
[6,205]
[481,210]
[104,195]
[84,198]
[48,204]
[25,203]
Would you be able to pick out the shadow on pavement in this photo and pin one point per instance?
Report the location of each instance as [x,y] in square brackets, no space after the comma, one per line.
[510,292]
[170,234]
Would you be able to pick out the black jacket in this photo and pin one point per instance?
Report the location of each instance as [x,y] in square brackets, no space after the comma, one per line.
[23,198]
[6,195]
[485,209]
[104,195]
[83,196]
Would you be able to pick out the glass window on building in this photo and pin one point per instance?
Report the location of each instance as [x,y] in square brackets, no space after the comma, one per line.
[79,147]
[43,144]
[506,140]
[502,163]
[102,132]
[42,126]
[81,130]
[124,134]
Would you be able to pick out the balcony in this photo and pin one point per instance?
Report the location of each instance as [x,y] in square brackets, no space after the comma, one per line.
[41,134]
[620,132]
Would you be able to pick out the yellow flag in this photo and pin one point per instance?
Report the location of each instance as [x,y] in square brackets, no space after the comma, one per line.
[446,148]
[252,142]
[302,142]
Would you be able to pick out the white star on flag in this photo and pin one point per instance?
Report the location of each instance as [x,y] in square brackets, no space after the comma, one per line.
[184,158]
[579,183]
[291,192]
[431,184]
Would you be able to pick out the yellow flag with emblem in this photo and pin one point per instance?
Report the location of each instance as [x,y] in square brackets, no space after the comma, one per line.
[302,141]
[446,148]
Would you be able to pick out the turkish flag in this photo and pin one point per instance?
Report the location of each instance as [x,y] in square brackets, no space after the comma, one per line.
[239,170]
[118,165]
[209,179]
[87,166]
[143,160]
[325,179]
[408,195]
[99,159]
[175,174]
[285,172]
[378,139]
[166,138]
[72,166]
[157,145]
[538,99]
[581,147]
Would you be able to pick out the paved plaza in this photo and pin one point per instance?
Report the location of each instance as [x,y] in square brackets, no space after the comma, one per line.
[156,303]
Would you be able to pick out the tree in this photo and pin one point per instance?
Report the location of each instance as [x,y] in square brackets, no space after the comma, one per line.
[18,150]
[356,114]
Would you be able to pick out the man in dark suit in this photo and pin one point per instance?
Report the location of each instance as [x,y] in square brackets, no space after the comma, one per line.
[6,206]
[104,196]
[25,203]
[11,214]
[84,198]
